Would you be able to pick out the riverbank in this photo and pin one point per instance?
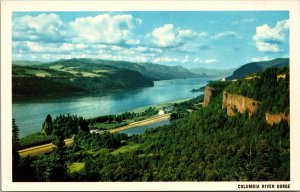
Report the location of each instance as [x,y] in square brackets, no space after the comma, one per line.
[142,123]
[46,148]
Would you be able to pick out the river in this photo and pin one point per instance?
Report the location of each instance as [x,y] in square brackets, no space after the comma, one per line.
[30,115]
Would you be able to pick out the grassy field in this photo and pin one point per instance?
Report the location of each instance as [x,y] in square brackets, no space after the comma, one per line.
[73,71]
[38,73]
[104,71]
[105,126]
[76,167]
[126,148]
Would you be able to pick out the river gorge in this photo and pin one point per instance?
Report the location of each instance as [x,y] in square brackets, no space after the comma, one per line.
[31,115]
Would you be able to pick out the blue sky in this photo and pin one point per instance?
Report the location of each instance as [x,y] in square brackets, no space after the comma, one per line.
[206,39]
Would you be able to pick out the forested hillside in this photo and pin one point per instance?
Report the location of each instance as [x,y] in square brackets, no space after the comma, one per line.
[270,87]
[203,145]
[258,67]
[34,82]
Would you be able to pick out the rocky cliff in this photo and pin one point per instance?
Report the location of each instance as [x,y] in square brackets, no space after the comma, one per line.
[239,103]
[208,92]
[276,118]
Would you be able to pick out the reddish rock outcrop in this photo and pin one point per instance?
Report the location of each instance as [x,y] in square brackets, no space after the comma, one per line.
[208,92]
[239,103]
[276,118]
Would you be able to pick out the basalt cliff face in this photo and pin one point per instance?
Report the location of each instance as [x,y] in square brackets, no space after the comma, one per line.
[208,93]
[276,118]
[239,103]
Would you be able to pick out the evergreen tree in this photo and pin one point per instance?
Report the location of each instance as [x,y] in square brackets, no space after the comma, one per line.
[15,148]
[47,125]
[57,171]
[83,125]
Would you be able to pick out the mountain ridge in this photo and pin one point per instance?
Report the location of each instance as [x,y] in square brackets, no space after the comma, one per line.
[254,67]
[151,71]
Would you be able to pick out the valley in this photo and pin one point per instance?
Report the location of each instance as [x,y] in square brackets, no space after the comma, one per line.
[209,143]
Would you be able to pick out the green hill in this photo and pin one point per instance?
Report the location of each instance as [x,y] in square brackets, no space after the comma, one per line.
[32,79]
[151,71]
[55,81]
[258,66]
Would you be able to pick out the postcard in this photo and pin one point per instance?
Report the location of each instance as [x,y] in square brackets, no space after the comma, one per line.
[150,95]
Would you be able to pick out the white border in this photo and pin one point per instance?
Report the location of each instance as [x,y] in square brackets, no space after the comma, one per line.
[7,7]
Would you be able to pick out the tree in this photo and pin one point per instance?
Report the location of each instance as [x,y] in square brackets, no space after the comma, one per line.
[47,125]
[83,125]
[15,148]
[57,171]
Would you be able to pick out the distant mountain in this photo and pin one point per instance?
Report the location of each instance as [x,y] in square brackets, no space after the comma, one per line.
[218,73]
[27,63]
[151,71]
[159,72]
[258,66]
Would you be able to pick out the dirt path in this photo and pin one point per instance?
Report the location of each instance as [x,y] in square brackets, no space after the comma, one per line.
[40,149]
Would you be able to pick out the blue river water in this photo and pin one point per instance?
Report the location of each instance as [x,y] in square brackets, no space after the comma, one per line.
[30,116]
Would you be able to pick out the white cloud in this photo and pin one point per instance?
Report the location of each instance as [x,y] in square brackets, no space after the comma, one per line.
[257,59]
[165,59]
[186,59]
[133,42]
[23,50]
[237,22]
[168,36]
[104,28]
[205,61]
[186,34]
[226,34]
[267,39]
[165,36]
[43,27]
[266,33]
[101,29]
[267,47]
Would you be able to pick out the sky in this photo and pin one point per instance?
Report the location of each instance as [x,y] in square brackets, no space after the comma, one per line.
[208,39]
